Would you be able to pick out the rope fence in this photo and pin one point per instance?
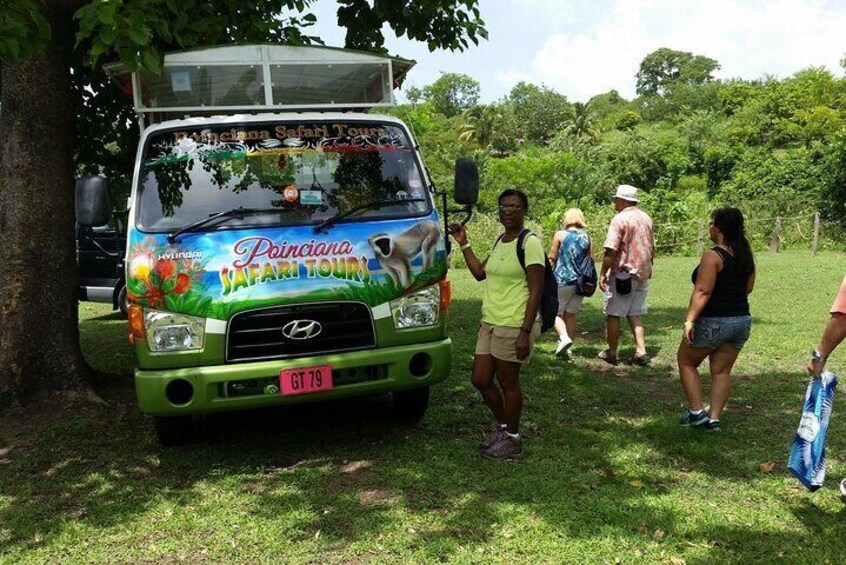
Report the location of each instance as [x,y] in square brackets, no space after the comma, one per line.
[773,234]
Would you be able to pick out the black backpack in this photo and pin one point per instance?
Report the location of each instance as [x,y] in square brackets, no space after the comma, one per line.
[586,275]
[549,296]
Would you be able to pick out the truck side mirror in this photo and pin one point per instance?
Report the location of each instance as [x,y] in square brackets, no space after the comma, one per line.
[466,181]
[92,201]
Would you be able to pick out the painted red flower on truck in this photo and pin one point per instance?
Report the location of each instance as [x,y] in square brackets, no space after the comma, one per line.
[153,276]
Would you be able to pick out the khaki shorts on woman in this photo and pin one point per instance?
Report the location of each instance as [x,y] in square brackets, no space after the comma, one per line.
[568,301]
[501,341]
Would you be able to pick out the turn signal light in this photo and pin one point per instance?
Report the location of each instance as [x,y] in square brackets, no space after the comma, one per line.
[446,294]
[136,323]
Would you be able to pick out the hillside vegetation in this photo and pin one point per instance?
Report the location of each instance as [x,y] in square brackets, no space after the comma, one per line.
[773,147]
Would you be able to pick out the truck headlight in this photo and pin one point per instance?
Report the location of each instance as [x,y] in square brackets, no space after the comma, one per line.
[168,331]
[417,310]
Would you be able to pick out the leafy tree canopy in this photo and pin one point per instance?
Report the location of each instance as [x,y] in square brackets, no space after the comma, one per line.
[540,112]
[136,32]
[608,107]
[665,68]
[23,30]
[452,94]
[441,24]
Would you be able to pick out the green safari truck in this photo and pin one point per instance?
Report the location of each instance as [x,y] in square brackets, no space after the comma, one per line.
[279,250]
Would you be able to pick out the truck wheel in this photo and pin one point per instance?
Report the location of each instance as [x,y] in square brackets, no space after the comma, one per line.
[411,405]
[123,302]
[174,430]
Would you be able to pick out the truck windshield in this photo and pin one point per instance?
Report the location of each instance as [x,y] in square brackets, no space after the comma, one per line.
[314,171]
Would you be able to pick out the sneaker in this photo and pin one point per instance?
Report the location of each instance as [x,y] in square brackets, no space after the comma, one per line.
[608,357]
[843,490]
[712,425]
[691,419]
[507,448]
[492,438]
[641,360]
[564,343]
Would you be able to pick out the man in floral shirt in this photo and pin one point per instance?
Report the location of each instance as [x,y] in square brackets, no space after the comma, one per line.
[625,273]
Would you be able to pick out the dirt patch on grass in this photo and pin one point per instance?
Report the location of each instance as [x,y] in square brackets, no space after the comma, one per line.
[657,383]
[353,467]
[271,477]
[378,497]
[352,474]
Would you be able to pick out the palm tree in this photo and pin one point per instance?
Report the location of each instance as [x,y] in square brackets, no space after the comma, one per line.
[580,121]
[485,124]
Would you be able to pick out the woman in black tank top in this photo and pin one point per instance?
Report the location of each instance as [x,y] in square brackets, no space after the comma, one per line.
[717,323]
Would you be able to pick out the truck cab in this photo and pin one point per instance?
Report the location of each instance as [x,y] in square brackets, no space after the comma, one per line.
[100,252]
[278,256]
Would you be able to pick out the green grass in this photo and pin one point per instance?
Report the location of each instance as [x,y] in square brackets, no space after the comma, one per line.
[609,476]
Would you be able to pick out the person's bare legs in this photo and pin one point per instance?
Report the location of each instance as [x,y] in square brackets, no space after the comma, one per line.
[722,360]
[508,375]
[639,335]
[689,359]
[484,368]
[612,333]
[570,322]
[561,327]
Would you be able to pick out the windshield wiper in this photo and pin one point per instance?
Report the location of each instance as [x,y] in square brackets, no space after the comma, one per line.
[239,212]
[366,206]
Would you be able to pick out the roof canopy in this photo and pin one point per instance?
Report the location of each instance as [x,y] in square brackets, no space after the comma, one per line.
[256,78]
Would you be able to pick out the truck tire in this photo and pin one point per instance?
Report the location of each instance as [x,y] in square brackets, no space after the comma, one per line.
[123,302]
[410,405]
[174,430]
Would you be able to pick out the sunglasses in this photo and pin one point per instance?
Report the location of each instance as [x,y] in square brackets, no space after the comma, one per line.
[509,209]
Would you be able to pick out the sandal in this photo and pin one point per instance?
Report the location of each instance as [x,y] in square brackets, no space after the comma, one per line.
[608,357]
[641,360]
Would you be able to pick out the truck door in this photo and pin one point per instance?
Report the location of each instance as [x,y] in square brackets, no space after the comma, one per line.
[98,256]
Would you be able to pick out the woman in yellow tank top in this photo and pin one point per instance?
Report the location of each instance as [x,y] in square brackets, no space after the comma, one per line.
[509,324]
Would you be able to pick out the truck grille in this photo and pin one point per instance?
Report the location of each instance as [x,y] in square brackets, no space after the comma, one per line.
[260,334]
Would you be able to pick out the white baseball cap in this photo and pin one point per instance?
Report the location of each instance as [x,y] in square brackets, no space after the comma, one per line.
[626,192]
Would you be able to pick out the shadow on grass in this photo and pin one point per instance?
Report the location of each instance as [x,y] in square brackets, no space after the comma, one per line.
[602,447]
[113,316]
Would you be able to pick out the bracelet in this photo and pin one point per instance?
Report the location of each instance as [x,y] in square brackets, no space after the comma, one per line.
[465,247]
[689,324]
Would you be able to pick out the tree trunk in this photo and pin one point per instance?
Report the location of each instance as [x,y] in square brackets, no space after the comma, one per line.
[39,282]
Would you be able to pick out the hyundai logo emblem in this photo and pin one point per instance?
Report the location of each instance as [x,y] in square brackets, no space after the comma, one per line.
[302,329]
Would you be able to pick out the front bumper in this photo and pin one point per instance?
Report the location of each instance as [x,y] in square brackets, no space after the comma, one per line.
[249,385]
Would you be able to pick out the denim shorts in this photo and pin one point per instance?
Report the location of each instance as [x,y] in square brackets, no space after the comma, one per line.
[710,333]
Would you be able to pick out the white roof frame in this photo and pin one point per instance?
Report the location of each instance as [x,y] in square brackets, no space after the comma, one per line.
[264,56]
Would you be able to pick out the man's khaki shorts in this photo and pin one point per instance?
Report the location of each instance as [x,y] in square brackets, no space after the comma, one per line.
[501,341]
[625,305]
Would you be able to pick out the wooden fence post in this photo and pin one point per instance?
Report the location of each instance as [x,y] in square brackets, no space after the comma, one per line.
[776,240]
[700,230]
[816,239]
